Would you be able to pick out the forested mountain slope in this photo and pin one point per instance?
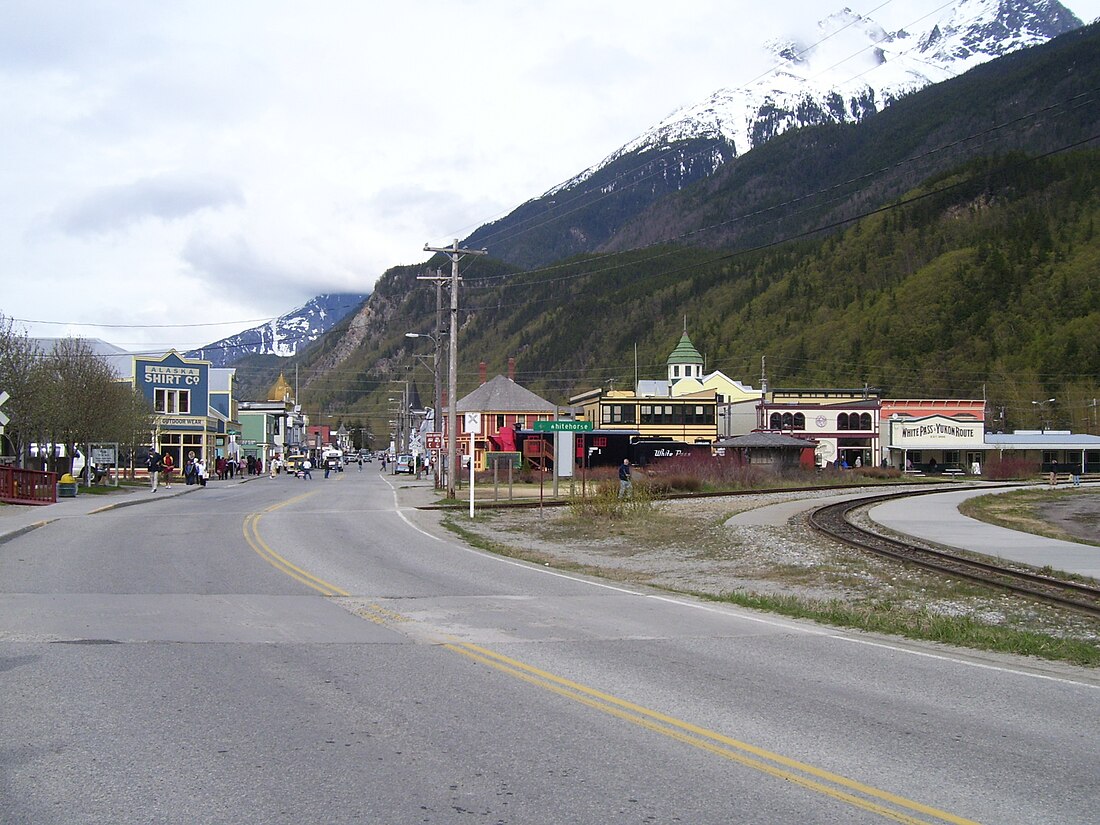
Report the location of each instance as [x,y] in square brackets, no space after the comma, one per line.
[983,279]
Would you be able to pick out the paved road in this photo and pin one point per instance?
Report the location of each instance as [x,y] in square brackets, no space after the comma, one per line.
[937,518]
[291,651]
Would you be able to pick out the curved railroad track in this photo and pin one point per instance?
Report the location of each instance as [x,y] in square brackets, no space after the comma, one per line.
[832,520]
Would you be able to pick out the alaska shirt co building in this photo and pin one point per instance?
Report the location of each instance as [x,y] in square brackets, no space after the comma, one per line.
[192,402]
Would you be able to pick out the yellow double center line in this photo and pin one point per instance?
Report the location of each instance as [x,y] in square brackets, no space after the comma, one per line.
[821,781]
[257,543]
[835,786]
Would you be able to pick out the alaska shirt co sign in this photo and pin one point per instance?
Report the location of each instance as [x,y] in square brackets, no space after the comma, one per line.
[563,426]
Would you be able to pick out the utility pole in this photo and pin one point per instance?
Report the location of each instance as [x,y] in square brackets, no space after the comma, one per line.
[437,412]
[455,254]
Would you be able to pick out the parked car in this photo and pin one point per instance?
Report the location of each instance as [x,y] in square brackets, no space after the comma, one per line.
[404,464]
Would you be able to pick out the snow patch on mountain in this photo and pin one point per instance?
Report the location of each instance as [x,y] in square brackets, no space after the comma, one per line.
[846,68]
[284,336]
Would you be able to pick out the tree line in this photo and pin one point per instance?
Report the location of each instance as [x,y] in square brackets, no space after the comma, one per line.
[63,398]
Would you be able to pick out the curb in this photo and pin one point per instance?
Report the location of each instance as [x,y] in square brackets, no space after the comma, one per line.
[14,534]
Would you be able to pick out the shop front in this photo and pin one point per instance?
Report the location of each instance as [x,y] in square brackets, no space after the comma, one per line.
[178,389]
[936,444]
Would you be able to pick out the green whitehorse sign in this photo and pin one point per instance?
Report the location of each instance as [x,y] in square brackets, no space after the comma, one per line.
[563,426]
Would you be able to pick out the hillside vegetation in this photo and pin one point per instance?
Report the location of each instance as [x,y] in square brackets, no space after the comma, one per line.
[978,279]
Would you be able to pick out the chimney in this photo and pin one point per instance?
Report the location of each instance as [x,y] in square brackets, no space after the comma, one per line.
[481,370]
[512,369]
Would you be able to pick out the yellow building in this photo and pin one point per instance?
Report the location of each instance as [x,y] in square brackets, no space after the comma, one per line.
[683,407]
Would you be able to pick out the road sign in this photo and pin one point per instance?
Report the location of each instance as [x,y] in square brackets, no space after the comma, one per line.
[434,441]
[564,426]
[3,416]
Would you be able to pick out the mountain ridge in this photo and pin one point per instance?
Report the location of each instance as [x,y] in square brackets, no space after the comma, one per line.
[584,213]
[580,318]
[285,335]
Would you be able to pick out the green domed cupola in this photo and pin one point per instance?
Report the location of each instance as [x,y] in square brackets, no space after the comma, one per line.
[685,361]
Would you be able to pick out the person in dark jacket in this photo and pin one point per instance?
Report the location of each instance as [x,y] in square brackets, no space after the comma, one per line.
[625,485]
[155,465]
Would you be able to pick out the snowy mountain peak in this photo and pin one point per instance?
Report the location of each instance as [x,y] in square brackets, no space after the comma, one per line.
[284,336]
[847,67]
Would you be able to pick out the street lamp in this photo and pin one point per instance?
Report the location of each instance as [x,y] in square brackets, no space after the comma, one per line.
[1042,405]
[438,389]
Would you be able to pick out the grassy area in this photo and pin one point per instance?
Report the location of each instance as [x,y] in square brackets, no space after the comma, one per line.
[961,631]
[686,547]
[1023,510]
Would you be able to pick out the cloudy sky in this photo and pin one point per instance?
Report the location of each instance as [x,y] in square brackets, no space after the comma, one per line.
[176,172]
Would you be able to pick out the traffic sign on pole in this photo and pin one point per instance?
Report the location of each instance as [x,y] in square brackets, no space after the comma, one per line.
[564,426]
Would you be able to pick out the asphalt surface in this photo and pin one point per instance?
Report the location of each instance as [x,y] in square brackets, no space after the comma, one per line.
[320,651]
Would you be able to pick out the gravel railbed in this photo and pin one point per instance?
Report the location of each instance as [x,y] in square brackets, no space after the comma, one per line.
[685,545]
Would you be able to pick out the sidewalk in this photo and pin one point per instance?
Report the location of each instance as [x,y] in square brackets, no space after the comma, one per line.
[17,519]
[936,517]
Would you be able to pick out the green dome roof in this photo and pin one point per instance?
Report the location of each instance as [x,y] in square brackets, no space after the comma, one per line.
[685,353]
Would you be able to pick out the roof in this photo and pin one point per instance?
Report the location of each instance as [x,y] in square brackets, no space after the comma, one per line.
[118,359]
[685,352]
[771,440]
[653,389]
[503,395]
[280,390]
[1043,440]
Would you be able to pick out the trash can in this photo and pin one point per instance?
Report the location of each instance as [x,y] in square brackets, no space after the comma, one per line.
[66,486]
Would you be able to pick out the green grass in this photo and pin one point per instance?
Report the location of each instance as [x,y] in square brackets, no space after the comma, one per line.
[1021,510]
[888,618]
[878,597]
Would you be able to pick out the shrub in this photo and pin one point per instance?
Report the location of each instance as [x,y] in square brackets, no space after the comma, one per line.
[1004,469]
[878,472]
[602,500]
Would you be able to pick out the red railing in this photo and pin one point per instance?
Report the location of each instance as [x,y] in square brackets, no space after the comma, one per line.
[18,486]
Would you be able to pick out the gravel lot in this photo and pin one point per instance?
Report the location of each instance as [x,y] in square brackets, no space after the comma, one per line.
[687,546]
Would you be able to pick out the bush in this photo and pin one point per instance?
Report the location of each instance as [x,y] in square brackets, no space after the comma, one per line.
[1006,469]
[602,500]
[878,472]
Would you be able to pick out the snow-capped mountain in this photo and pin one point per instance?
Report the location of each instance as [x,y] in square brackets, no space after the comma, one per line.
[852,68]
[284,336]
[848,69]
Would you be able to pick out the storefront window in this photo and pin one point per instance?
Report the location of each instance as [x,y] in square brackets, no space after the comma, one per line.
[172,402]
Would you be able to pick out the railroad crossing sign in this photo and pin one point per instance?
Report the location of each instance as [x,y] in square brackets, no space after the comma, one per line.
[564,426]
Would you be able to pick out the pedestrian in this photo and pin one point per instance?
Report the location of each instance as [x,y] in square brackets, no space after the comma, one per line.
[200,471]
[360,463]
[328,466]
[153,462]
[306,467]
[625,485]
[1053,477]
[169,465]
[1076,476]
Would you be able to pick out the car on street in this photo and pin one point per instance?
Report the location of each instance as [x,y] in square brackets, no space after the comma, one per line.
[404,464]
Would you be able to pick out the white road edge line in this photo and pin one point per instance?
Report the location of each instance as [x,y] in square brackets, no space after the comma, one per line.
[828,633]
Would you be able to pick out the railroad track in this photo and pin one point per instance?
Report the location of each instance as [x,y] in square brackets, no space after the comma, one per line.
[832,520]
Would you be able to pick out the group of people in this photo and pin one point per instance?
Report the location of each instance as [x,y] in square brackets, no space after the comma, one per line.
[162,466]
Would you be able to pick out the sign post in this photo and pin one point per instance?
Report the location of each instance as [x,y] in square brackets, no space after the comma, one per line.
[563,441]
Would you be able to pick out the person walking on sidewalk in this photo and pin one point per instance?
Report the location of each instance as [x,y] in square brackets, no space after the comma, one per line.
[153,462]
[169,465]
